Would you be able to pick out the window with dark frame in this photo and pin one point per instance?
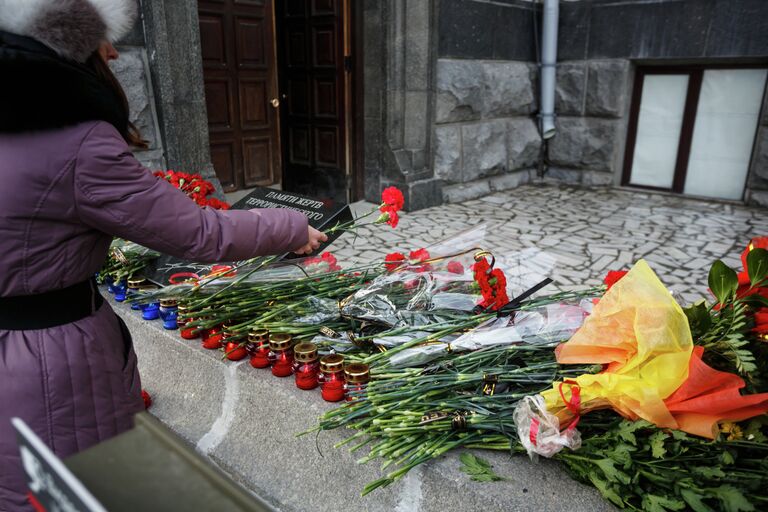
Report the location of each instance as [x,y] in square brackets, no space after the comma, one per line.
[692,129]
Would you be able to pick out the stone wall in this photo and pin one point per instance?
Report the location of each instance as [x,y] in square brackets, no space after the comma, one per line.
[485,134]
[485,137]
[591,100]
[132,71]
[161,72]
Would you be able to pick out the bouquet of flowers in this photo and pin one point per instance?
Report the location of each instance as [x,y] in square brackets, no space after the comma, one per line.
[195,187]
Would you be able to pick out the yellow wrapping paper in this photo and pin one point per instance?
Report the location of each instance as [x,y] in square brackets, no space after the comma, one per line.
[643,336]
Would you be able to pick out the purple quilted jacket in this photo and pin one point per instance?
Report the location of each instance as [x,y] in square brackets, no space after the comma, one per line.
[63,194]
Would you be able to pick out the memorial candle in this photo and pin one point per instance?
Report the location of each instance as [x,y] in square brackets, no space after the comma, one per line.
[169,313]
[331,378]
[258,347]
[135,286]
[281,354]
[188,333]
[213,337]
[306,366]
[356,376]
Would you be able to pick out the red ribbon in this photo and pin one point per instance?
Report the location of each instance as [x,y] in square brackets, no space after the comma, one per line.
[183,277]
[534,431]
[574,404]
[222,271]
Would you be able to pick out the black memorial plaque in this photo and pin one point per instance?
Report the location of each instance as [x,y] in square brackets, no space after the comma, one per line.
[321,216]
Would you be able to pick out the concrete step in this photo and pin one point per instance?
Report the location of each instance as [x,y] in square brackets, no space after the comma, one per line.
[246,421]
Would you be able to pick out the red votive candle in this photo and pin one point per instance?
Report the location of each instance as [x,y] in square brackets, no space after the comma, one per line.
[281,354]
[306,367]
[356,376]
[213,338]
[182,320]
[258,347]
[331,378]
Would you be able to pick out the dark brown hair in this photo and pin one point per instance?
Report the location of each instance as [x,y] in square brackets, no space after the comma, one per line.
[132,134]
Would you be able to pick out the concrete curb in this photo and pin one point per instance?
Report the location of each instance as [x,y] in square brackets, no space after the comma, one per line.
[245,420]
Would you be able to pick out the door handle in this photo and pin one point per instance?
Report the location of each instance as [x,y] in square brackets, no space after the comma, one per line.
[275,102]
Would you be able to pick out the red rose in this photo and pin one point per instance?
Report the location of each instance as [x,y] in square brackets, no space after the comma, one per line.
[394,260]
[455,267]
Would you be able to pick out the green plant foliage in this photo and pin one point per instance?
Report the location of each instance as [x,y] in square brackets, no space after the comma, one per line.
[479,470]
[723,281]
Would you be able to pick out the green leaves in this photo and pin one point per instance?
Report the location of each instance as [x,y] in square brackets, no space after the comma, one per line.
[714,472]
[695,501]
[657,444]
[626,430]
[732,499]
[611,473]
[654,503]
[723,281]
[757,266]
[479,470]
[698,318]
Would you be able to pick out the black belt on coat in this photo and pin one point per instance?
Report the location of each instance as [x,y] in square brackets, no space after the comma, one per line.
[50,309]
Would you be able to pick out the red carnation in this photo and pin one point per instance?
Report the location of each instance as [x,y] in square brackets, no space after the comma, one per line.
[613,276]
[492,283]
[392,199]
[147,399]
[455,267]
[420,256]
[394,260]
[330,259]
[393,218]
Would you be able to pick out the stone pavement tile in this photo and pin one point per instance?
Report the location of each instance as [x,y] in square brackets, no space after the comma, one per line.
[587,231]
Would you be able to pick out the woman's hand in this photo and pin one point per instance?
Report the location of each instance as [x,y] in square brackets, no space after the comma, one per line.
[315,239]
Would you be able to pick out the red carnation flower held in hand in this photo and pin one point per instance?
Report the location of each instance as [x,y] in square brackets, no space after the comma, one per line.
[392,199]
[394,260]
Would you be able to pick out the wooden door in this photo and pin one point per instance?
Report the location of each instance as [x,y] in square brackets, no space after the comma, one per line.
[313,94]
[238,50]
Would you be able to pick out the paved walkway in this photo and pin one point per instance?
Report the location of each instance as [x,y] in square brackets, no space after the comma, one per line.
[583,232]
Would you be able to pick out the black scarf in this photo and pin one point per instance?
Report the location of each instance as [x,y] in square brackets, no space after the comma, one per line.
[39,90]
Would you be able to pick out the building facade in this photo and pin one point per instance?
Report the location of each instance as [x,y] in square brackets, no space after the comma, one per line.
[341,98]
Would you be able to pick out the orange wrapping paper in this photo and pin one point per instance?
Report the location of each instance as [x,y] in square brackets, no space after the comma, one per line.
[710,396]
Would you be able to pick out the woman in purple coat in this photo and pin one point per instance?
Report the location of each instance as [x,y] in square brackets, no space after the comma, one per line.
[70,183]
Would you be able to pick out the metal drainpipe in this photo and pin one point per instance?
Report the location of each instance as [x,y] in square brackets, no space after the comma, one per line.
[548,68]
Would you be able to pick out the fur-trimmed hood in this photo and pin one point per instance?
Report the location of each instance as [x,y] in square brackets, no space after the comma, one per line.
[40,90]
[71,28]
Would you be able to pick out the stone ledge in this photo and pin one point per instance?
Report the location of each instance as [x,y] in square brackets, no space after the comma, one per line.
[245,420]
